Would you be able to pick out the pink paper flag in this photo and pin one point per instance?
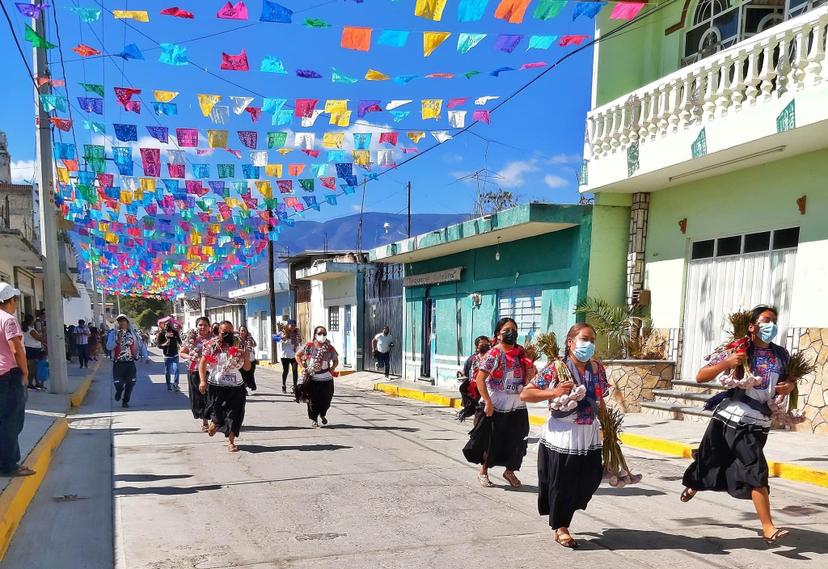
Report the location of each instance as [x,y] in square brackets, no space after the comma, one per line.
[534,65]
[178,13]
[571,40]
[313,153]
[328,182]
[187,137]
[254,112]
[389,137]
[304,107]
[230,11]
[176,170]
[238,62]
[481,115]
[626,10]
[456,102]
[151,159]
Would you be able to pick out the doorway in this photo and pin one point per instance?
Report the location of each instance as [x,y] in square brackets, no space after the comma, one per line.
[429,339]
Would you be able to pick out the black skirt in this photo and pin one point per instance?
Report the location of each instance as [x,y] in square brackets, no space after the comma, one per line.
[319,397]
[566,483]
[499,440]
[225,407]
[198,402]
[730,458]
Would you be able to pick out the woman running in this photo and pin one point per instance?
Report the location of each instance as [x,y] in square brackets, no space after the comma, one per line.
[569,454]
[731,456]
[319,360]
[289,346]
[250,345]
[193,350]
[220,378]
[499,435]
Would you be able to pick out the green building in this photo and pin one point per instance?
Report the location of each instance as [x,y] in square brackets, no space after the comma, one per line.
[533,262]
[710,121]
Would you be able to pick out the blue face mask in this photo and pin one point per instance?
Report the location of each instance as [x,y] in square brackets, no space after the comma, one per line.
[583,351]
[767,331]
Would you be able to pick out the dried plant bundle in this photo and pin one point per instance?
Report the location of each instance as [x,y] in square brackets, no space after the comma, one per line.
[739,322]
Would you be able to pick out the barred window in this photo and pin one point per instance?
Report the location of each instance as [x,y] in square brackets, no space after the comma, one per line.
[333,319]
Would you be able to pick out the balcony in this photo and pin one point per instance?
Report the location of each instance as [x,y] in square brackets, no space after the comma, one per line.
[762,99]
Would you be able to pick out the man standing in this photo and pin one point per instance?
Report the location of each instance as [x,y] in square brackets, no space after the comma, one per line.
[169,340]
[82,343]
[381,345]
[14,376]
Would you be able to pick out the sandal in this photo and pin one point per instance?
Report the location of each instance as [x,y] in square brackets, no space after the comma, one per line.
[19,471]
[211,430]
[568,541]
[232,447]
[204,428]
[484,481]
[510,477]
[777,536]
[687,495]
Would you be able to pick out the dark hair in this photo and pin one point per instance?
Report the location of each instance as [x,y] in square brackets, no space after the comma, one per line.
[317,328]
[27,321]
[202,319]
[501,323]
[576,328]
[480,339]
[757,312]
[225,323]
[215,329]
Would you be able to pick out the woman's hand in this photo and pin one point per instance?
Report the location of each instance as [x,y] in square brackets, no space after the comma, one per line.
[488,408]
[202,387]
[785,387]
[734,360]
[563,388]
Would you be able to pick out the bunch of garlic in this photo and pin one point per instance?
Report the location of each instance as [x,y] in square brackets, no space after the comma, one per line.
[569,401]
[622,478]
[747,382]
[780,416]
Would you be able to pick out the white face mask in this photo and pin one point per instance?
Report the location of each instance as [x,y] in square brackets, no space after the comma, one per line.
[321,337]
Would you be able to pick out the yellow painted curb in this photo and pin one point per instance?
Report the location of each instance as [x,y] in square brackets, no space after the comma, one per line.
[77,396]
[17,496]
[782,470]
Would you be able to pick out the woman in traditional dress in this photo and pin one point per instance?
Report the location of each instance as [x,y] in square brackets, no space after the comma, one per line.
[220,378]
[468,386]
[289,346]
[192,350]
[249,344]
[319,360]
[731,457]
[501,427]
[569,453]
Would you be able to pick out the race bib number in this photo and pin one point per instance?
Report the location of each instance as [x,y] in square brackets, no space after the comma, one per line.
[228,379]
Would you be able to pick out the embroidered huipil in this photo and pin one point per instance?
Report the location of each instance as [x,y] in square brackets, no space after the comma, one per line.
[224,363]
[507,373]
[764,363]
[194,342]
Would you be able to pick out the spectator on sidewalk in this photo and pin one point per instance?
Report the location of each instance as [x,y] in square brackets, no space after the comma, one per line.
[94,343]
[69,338]
[169,340]
[33,343]
[381,345]
[82,343]
[126,347]
[14,375]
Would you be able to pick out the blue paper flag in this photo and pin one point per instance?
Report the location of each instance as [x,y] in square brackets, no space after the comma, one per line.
[173,54]
[160,133]
[404,79]
[126,132]
[399,115]
[201,171]
[131,51]
[91,104]
[273,12]
[393,38]
[588,9]
[94,126]
[471,10]
[541,42]
[272,64]
[165,109]
[362,140]
[499,70]
[308,74]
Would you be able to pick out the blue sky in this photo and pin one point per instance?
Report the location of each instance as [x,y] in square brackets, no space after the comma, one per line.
[534,142]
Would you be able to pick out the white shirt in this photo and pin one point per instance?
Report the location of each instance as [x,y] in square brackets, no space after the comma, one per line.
[29,341]
[383,342]
[81,335]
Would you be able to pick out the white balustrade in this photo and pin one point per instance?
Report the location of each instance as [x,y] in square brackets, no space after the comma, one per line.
[789,57]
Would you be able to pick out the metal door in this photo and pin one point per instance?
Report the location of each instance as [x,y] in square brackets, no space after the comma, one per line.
[382,306]
[719,286]
[346,332]
[428,340]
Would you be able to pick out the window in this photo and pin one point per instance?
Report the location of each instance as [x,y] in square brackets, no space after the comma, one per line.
[740,244]
[333,319]
[524,305]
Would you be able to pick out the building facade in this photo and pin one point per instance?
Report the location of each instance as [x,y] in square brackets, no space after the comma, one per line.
[533,263]
[711,124]
[257,311]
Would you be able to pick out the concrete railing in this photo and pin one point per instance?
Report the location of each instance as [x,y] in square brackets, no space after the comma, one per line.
[789,57]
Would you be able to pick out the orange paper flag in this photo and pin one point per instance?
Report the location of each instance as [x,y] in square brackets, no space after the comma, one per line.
[355,38]
[512,10]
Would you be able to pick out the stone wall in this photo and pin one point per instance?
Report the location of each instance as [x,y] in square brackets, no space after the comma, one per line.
[813,390]
[633,381]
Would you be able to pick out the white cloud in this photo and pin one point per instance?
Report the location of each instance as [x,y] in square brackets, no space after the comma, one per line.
[555,182]
[22,171]
[513,174]
[558,159]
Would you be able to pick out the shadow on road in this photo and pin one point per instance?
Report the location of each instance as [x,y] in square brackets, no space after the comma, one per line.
[628,491]
[258,449]
[164,490]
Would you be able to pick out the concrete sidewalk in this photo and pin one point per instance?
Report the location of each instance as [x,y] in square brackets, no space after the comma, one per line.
[791,455]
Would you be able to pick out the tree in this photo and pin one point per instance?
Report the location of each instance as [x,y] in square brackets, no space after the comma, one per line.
[147,319]
[133,306]
[495,201]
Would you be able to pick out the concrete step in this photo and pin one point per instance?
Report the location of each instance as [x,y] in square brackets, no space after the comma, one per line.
[691,385]
[672,410]
[681,394]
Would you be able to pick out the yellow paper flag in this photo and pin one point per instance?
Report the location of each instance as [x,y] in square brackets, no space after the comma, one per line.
[341,119]
[335,106]
[217,138]
[284,151]
[415,136]
[148,184]
[431,41]
[374,75]
[137,15]
[362,157]
[273,170]
[63,175]
[430,9]
[431,108]
[333,139]
[164,96]
[207,102]
[264,188]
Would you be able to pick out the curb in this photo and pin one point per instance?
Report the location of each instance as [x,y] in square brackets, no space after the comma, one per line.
[16,497]
[667,447]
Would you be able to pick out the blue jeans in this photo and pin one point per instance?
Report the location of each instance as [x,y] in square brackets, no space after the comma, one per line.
[12,415]
[83,355]
[171,368]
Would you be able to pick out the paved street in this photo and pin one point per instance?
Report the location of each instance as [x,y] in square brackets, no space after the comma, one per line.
[384,485]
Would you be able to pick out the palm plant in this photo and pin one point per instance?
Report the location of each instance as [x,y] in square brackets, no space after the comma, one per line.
[616,323]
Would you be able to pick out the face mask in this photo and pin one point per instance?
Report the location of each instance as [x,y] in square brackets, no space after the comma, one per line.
[509,337]
[227,337]
[483,349]
[767,331]
[321,337]
[584,350]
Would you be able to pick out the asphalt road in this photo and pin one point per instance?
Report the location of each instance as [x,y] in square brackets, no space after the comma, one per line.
[384,485]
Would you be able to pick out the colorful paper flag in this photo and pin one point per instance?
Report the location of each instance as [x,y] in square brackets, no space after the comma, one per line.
[217,138]
[229,11]
[273,12]
[137,15]
[431,108]
[356,38]
[230,62]
[374,75]
[548,9]
[172,54]
[471,10]
[272,64]
[507,42]
[337,77]
[626,10]
[85,50]
[177,13]
[207,102]
[160,133]
[467,41]
[430,9]
[393,38]
[587,9]
[432,40]
[512,11]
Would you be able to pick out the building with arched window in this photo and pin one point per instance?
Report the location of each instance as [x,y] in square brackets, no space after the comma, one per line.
[709,120]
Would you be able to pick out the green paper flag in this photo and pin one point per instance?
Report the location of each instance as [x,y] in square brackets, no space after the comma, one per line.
[548,9]
[471,74]
[92,88]
[307,184]
[316,23]
[276,139]
[36,40]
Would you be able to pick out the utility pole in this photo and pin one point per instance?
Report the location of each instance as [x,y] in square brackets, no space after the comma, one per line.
[58,377]
[409,209]
[271,289]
